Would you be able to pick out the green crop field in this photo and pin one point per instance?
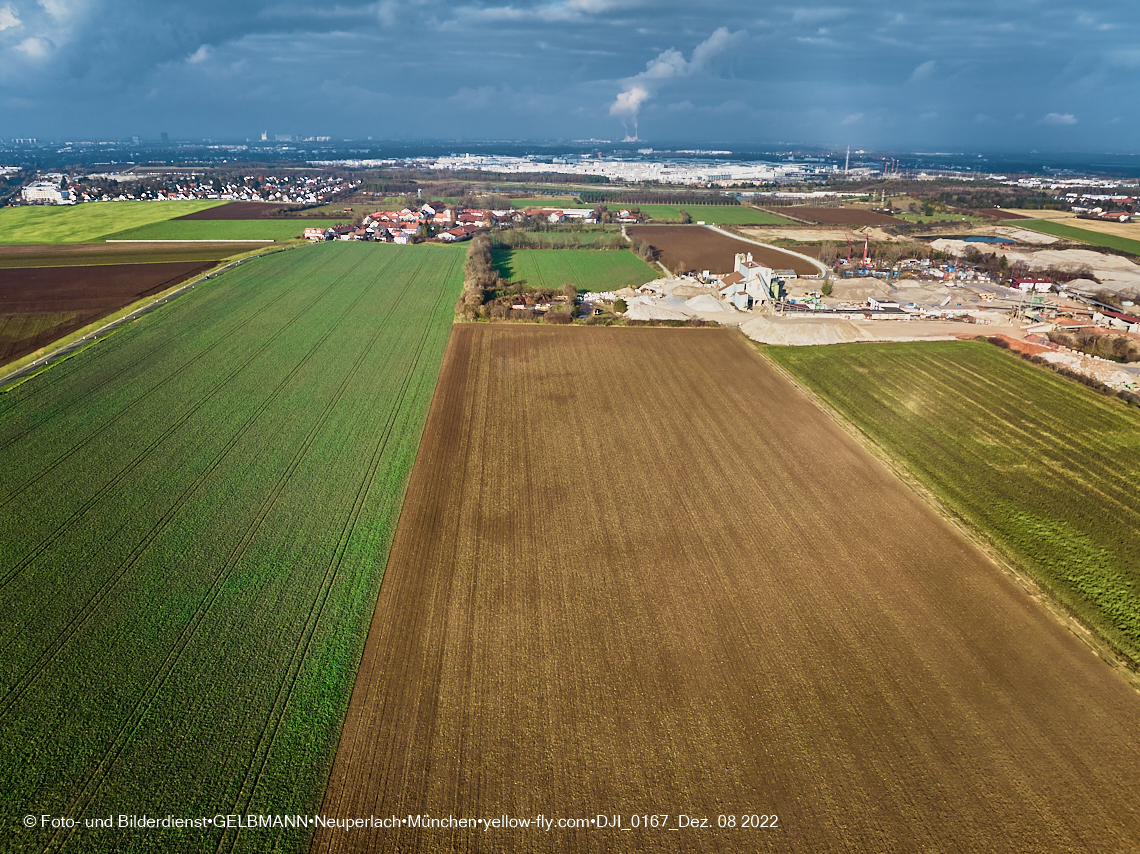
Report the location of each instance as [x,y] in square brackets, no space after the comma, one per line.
[586,269]
[223,229]
[86,223]
[1095,238]
[604,235]
[1045,468]
[556,202]
[196,516]
[719,214]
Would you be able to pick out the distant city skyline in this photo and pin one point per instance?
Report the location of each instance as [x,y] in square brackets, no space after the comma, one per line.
[956,75]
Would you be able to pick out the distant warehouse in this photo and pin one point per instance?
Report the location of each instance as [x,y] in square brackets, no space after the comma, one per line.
[45,192]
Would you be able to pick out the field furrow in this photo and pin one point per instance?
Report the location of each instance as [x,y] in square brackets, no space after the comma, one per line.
[638,572]
[154,688]
[187,643]
[1043,468]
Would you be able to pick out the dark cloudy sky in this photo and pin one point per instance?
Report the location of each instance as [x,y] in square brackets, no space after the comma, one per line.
[955,74]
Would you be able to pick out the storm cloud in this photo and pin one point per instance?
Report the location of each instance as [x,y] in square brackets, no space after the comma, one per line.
[1047,75]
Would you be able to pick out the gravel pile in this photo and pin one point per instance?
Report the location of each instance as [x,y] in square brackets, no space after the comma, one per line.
[705,302]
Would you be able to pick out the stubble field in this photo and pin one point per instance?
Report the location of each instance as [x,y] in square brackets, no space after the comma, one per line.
[696,594]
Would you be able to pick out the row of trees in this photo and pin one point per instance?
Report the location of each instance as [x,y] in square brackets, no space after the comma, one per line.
[643,249]
[479,276]
[1118,348]
[590,197]
[485,291]
[889,253]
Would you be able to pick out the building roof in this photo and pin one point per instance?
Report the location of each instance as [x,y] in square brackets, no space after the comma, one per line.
[1118,315]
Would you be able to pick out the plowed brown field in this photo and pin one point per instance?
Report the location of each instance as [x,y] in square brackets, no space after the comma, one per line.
[638,572]
[241,210]
[99,254]
[833,216]
[694,247]
[41,304]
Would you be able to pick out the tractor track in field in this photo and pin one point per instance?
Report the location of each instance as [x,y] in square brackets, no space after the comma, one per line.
[91,608]
[300,651]
[85,796]
[684,608]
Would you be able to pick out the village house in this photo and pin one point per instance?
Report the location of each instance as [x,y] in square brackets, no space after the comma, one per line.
[461,232]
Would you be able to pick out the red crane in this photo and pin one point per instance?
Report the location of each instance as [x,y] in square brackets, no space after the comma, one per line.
[866,250]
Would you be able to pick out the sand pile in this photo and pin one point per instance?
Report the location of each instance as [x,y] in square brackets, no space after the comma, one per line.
[643,308]
[798,332]
[705,302]
[805,331]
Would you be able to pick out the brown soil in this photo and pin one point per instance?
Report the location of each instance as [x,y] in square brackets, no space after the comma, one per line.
[244,210]
[697,248]
[81,254]
[1027,347]
[838,216]
[41,304]
[703,597]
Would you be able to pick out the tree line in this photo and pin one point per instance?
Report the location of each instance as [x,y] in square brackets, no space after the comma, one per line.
[590,197]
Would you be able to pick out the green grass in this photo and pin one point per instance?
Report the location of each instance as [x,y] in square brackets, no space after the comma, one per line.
[1045,468]
[1095,238]
[586,269]
[196,517]
[719,214]
[90,222]
[556,239]
[556,202]
[223,229]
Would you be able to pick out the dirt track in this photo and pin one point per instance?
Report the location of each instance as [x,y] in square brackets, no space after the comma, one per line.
[679,588]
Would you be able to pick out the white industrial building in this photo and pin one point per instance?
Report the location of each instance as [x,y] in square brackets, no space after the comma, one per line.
[45,192]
